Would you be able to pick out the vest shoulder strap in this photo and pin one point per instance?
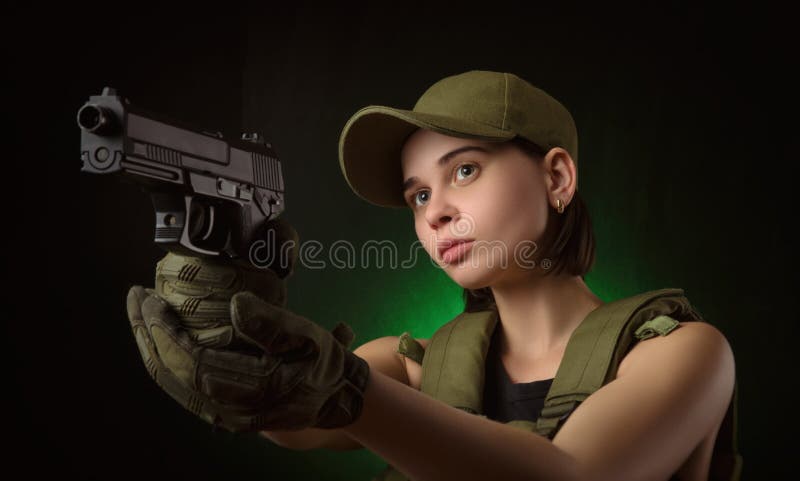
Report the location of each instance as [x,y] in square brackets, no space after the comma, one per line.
[453,366]
[599,343]
[410,348]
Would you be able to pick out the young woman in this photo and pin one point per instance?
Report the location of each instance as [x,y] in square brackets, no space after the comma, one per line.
[486,161]
[487,164]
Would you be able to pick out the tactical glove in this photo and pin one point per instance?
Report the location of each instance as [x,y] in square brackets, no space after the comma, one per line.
[244,362]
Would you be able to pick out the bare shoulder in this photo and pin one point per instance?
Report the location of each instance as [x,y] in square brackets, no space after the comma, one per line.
[701,342]
[696,358]
[669,396]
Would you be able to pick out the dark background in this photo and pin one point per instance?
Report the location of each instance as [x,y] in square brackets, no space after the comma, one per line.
[685,115]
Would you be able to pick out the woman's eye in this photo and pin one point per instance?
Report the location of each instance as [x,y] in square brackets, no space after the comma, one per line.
[422,195]
[464,171]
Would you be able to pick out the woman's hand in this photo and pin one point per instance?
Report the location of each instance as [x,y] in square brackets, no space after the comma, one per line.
[294,375]
[216,336]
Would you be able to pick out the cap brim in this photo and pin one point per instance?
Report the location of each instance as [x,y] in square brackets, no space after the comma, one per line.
[373,138]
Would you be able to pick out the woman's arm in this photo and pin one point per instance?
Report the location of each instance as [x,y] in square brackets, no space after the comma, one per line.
[640,426]
[429,440]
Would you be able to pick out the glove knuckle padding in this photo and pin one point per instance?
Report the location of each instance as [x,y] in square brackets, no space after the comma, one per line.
[199,291]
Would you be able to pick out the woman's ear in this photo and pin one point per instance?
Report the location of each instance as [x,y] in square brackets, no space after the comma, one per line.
[561,176]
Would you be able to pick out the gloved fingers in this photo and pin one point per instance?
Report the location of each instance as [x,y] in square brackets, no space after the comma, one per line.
[233,402]
[267,285]
[193,401]
[144,342]
[276,247]
[344,334]
[136,296]
[196,312]
[287,246]
[198,276]
[230,383]
[156,310]
[223,400]
[243,382]
[274,329]
[237,363]
[199,289]
[218,337]
[140,307]
[174,346]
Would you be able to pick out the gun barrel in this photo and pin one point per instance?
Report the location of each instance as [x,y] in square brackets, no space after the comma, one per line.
[97,120]
[211,194]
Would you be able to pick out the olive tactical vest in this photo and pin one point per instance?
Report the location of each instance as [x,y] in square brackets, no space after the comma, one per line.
[453,365]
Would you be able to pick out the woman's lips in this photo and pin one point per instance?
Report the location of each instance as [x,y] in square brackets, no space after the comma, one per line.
[456,251]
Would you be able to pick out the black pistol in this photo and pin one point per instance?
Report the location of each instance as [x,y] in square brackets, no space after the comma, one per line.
[212,196]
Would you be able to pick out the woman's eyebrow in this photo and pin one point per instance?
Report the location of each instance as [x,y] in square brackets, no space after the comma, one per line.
[444,160]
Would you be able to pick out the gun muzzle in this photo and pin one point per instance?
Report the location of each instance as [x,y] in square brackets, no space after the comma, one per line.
[97,120]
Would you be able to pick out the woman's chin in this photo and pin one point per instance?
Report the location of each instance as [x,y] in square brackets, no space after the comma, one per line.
[469,277]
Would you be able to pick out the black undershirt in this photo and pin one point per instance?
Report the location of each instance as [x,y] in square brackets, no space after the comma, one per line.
[505,401]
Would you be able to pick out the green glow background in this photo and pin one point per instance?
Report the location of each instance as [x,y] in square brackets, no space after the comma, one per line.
[685,117]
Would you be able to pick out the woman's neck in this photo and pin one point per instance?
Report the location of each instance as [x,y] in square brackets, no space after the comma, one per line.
[539,313]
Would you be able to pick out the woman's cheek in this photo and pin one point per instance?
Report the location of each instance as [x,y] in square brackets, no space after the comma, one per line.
[425,235]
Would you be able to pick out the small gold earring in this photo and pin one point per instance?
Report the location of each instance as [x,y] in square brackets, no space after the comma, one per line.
[560,206]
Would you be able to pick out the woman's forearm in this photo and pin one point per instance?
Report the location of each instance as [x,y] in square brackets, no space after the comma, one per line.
[431,441]
[312,438]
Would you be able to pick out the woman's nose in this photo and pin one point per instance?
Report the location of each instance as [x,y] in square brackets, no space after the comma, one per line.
[439,211]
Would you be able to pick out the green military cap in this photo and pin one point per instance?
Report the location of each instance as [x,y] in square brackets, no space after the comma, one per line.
[490,106]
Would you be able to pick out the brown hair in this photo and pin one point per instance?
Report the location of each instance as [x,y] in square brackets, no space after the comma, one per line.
[568,239]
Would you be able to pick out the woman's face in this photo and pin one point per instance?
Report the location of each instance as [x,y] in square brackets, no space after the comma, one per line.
[489,196]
